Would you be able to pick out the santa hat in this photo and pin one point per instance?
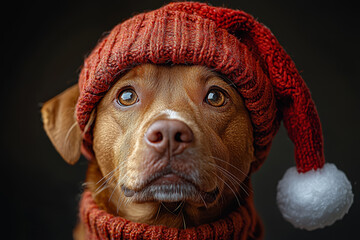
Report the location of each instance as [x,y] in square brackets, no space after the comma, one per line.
[312,194]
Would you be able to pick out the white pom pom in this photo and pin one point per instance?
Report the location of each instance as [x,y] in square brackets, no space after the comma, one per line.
[314,199]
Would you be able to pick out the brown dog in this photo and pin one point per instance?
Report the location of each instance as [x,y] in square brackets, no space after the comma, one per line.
[173,145]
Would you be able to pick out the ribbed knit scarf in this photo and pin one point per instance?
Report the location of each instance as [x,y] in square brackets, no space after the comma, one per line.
[240,224]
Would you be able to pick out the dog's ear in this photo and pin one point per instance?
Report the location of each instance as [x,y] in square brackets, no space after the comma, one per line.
[60,124]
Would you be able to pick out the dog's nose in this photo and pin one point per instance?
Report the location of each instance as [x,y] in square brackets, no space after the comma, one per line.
[172,135]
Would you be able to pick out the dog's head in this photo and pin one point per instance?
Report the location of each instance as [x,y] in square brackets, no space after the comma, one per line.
[178,134]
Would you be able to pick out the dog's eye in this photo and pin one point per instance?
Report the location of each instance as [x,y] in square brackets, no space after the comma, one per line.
[128,97]
[216,98]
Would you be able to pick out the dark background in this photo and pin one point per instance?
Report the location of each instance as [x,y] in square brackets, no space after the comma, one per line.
[44,45]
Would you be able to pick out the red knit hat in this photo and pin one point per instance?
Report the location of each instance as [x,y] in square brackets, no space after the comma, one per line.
[234,44]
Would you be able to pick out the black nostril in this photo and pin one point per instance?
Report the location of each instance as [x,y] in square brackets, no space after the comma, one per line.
[178,137]
[183,137]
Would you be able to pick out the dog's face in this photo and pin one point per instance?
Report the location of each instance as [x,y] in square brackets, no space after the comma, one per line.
[177,134]
[173,134]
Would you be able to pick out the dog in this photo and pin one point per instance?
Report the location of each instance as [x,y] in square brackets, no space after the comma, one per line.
[174,109]
[173,145]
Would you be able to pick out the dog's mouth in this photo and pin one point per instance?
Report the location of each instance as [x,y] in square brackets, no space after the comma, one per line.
[170,187]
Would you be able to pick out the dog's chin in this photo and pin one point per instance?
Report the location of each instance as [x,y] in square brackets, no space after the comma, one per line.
[172,189]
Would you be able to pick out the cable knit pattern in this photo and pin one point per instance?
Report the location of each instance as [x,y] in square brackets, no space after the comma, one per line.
[240,224]
[230,42]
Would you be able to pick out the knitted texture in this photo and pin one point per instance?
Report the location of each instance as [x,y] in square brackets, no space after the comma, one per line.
[240,224]
[230,42]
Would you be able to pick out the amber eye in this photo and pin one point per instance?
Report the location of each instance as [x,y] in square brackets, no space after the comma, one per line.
[128,97]
[216,98]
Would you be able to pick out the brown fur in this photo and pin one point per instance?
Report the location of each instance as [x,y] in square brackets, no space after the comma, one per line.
[223,139]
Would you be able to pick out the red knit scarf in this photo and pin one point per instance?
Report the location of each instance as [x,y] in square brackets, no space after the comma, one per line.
[240,224]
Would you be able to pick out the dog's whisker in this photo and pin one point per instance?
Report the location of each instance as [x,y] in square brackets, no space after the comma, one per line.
[232,177]
[222,198]
[203,201]
[100,190]
[109,179]
[167,209]
[105,177]
[69,131]
[127,201]
[105,183]
[113,191]
[237,199]
[87,184]
[233,166]
[109,173]
[227,178]
[180,204]
[225,170]
[120,199]
[234,181]
[182,213]
[157,214]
